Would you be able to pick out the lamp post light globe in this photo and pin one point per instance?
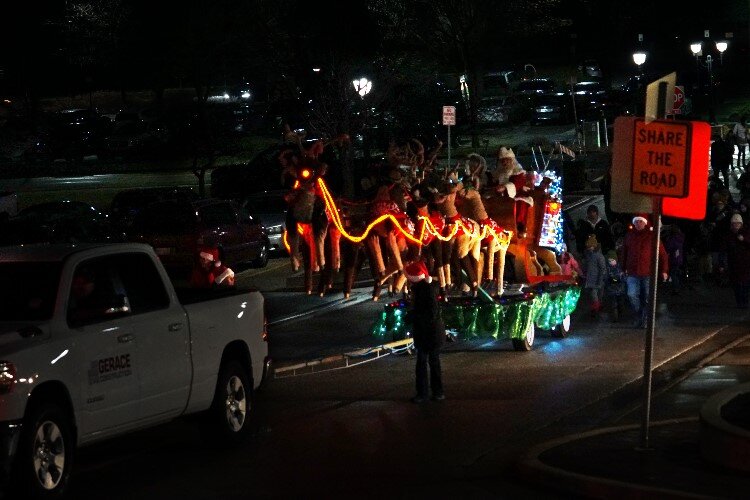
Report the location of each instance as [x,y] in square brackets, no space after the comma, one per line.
[721,47]
[362,86]
[695,48]
[639,58]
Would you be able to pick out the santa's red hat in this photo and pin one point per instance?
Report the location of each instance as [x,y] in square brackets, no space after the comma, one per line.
[641,217]
[417,271]
[209,253]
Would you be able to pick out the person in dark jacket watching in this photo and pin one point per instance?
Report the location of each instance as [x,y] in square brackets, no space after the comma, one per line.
[637,256]
[428,330]
[738,259]
[593,224]
[722,150]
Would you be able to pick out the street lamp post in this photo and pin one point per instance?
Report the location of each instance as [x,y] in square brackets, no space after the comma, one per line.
[639,58]
[363,86]
[697,50]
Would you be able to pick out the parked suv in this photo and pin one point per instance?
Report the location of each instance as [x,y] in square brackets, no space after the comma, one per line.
[128,203]
[536,86]
[175,228]
[270,207]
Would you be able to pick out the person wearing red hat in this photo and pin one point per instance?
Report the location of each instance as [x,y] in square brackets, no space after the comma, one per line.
[737,243]
[637,255]
[428,330]
[209,271]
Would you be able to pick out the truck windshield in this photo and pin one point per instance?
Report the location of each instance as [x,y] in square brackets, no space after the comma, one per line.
[28,290]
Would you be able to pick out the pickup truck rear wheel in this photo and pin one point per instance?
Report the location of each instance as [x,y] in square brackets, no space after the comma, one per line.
[233,403]
[45,453]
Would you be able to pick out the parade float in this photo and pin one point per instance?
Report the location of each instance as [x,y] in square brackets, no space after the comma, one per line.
[540,297]
[465,235]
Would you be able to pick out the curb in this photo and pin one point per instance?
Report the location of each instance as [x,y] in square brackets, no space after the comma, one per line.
[533,469]
[333,305]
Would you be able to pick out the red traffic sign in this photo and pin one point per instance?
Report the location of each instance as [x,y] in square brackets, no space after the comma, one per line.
[661,158]
[694,206]
[449,115]
[679,99]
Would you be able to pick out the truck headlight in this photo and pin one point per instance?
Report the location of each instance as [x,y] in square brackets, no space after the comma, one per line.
[275,229]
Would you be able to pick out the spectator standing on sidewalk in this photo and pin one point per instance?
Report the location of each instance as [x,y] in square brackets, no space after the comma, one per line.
[738,260]
[739,131]
[593,224]
[428,331]
[637,256]
[596,274]
[721,156]
[615,289]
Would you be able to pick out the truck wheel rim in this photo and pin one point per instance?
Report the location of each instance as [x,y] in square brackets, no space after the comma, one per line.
[49,455]
[236,403]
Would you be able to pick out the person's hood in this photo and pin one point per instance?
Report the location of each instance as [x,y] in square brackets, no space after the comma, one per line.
[593,224]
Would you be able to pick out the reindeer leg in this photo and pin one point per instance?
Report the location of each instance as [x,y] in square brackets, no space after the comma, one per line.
[376,255]
[292,238]
[500,269]
[400,282]
[491,248]
[394,257]
[334,236]
[308,273]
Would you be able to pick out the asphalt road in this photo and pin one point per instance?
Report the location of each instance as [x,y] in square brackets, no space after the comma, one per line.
[353,430]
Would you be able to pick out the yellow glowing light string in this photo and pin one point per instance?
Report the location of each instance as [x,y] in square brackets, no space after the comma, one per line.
[502,237]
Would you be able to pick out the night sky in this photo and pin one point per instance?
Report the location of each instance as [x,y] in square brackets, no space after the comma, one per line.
[37,49]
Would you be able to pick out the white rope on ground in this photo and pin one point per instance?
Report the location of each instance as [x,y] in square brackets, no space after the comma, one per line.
[346,360]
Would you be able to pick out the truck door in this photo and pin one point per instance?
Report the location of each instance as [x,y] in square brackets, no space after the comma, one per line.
[105,346]
[163,338]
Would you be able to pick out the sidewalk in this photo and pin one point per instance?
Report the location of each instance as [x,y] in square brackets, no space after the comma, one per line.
[610,462]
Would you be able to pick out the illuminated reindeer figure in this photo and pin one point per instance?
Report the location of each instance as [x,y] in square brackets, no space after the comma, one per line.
[494,244]
[307,215]
[466,242]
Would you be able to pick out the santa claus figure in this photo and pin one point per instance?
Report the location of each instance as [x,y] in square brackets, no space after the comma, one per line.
[209,270]
[513,181]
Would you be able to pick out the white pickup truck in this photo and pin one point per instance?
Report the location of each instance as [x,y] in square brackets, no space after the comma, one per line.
[95,342]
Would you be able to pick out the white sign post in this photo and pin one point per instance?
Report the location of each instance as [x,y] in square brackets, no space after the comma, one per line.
[449,119]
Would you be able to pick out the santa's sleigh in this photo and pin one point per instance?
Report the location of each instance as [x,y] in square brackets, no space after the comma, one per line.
[537,296]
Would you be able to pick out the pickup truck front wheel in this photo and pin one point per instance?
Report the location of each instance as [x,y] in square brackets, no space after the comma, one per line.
[45,453]
[233,403]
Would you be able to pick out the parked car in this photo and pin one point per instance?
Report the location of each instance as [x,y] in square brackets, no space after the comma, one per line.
[176,228]
[589,96]
[270,207]
[136,138]
[262,173]
[552,109]
[590,69]
[500,82]
[59,221]
[70,134]
[536,86]
[502,110]
[127,204]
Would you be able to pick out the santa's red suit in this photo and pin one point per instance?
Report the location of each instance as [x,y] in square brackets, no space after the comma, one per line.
[517,188]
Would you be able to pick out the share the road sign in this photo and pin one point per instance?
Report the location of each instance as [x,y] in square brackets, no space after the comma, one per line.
[661,158]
